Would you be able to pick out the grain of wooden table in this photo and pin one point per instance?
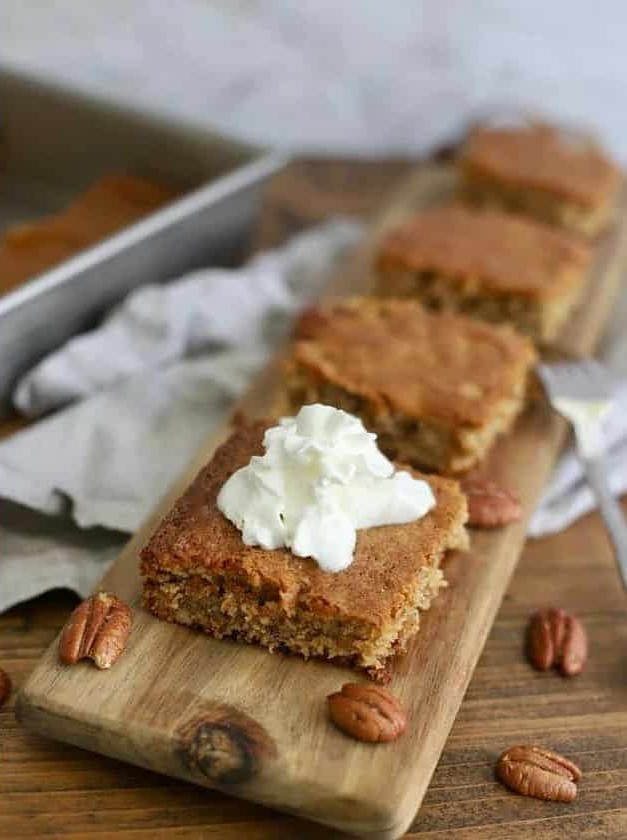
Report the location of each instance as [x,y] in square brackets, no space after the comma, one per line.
[50,789]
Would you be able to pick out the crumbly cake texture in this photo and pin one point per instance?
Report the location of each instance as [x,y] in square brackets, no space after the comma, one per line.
[487,264]
[436,388]
[197,571]
[110,204]
[558,177]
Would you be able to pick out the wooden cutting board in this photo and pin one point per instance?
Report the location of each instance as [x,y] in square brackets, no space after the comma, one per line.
[255,724]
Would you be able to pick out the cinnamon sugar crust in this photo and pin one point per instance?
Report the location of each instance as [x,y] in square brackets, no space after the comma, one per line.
[487,252]
[197,571]
[572,168]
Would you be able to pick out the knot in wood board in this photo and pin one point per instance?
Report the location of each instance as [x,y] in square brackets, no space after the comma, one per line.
[224,745]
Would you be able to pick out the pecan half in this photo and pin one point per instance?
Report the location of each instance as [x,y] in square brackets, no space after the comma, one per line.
[534,771]
[557,640]
[97,629]
[367,712]
[490,506]
[5,686]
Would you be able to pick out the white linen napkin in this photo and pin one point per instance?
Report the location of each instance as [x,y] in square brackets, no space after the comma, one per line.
[147,387]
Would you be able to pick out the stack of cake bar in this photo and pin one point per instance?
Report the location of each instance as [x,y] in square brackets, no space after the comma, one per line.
[437,364]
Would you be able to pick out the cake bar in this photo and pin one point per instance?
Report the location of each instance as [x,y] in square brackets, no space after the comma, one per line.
[197,571]
[436,388]
[487,264]
[557,176]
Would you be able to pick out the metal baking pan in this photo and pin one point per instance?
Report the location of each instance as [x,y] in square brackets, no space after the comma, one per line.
[53,144]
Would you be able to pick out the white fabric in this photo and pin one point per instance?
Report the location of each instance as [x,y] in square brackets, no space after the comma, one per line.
[114,454]
[42,552]
[142,406]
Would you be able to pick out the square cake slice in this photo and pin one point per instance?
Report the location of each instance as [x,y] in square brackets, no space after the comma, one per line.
[487,264]
[197,571]
[557,176]
[436,388]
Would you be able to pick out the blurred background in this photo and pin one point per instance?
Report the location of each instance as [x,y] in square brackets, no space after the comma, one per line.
[335,76]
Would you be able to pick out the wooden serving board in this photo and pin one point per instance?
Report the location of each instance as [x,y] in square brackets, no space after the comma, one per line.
[235,717]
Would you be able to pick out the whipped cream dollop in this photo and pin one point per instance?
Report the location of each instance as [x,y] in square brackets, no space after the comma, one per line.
[322,477]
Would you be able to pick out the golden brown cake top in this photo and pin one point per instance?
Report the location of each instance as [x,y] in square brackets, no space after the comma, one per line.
[400,357]
[570,167]
[196,539]
[487,251]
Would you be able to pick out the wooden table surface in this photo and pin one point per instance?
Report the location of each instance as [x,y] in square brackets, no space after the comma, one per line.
[50,789]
